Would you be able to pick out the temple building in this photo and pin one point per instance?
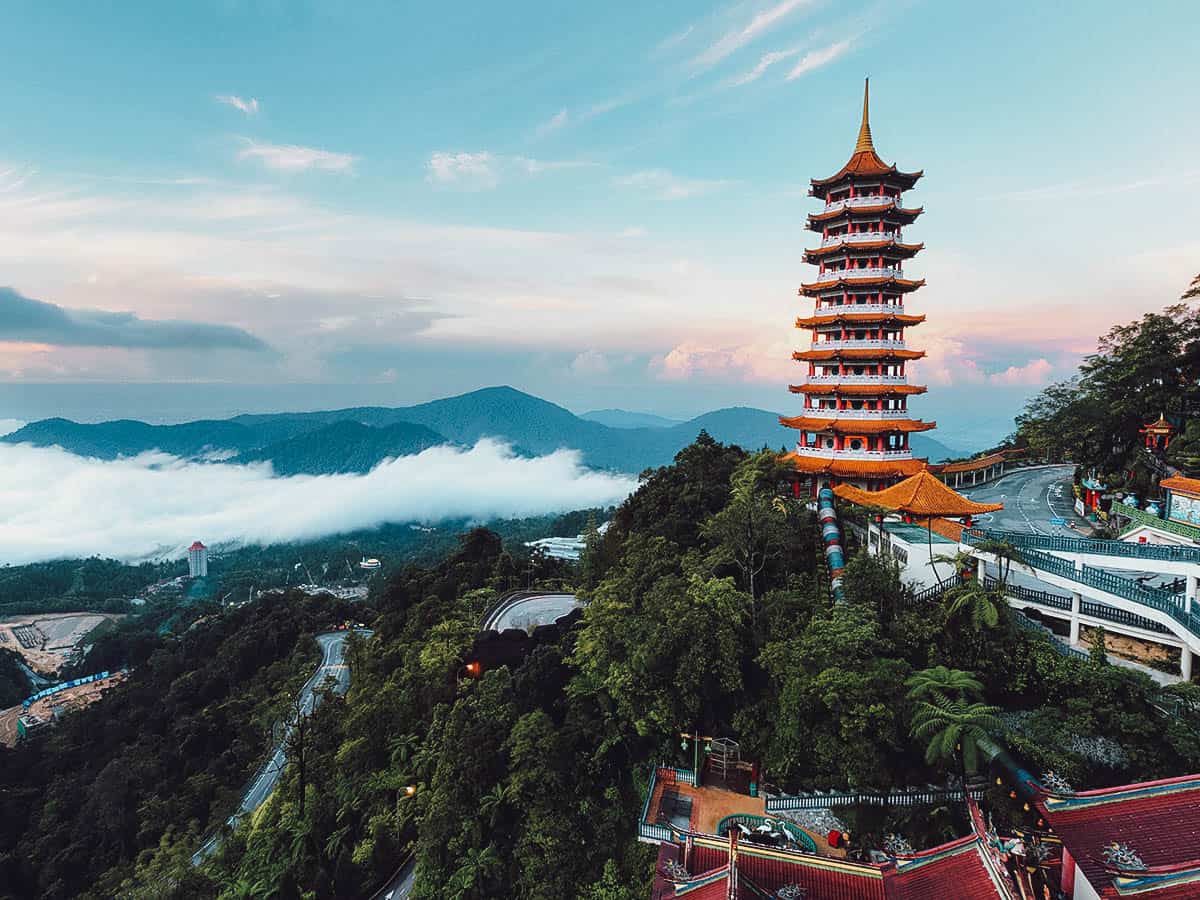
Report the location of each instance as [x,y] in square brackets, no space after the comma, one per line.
[856,424]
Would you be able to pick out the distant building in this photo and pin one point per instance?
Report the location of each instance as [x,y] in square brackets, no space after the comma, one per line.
[197,560]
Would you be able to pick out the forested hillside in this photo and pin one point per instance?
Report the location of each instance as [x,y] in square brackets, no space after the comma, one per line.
[161,757]
[528,780]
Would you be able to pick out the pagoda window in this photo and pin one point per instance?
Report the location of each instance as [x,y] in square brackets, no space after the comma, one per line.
[856,444]
[856,404]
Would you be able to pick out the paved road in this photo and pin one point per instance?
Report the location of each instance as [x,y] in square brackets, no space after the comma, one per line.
[332,669]
[529,611]
[1031,497]
[399,887]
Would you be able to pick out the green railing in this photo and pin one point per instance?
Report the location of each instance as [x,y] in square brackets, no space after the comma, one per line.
[797,834]
[1141,517]
[1087,607]
[652,831]
[1153,598]
[898,797]
[1022,540]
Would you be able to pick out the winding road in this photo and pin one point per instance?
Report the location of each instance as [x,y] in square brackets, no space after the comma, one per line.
[332,669]
[1031,497]
[528,609]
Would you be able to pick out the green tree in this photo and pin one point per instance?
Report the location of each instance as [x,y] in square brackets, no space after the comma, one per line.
[475,874]
[956,728]
[975,604]
[940,681]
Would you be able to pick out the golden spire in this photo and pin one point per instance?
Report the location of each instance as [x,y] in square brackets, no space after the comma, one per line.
[864,133]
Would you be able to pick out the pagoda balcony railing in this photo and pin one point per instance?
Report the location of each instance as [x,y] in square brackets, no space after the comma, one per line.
[860,237]
[857,379]
[855,274]
[874,414]
[827,309]
[852,202]
[829,453]
[858,345]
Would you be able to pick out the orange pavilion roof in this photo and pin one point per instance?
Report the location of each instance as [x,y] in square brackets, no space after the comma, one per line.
[1181,483]
[865,353]
[854,468]
[920,495]
[859,390]
[855,426]
[980,462]
[864,318]
[865,162]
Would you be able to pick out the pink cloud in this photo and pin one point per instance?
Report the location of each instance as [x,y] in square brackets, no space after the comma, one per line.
[1033,373]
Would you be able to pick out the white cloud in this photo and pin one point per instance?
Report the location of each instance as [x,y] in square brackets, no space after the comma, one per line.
[669,185]
[814,59]
[755,362]
[554,123]
[249,107]
[589,363]
[737,38]
[1034,373]
[294,158]
[465,169]
[765,62]
[54,504]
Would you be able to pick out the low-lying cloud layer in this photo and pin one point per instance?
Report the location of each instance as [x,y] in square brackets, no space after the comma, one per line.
[54,504]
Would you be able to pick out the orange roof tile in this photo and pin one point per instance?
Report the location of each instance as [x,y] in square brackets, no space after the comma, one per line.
[970,465]
[905,215]
[855,426]
[921,495]
[855,468]
[864,318]
[858,390]
[882,353]
[865,161]
[905,250]
[891,280]
[1181,483]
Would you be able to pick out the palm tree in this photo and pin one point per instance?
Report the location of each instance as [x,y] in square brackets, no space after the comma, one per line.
[245,889]
[956,726]
[492,803]
[477,868]
[1006,554]
[941,681]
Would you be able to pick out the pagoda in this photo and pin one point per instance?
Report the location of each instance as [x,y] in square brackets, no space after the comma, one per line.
[856,423]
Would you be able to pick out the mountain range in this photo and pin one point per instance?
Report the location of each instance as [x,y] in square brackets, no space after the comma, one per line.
[356,439]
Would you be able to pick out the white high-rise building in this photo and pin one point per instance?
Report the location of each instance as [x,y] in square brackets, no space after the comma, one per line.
[197,560]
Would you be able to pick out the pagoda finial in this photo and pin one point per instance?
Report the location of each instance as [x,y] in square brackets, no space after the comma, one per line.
[864,133]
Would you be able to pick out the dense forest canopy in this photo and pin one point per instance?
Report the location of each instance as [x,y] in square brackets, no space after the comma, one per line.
[1140,370]
[709,609]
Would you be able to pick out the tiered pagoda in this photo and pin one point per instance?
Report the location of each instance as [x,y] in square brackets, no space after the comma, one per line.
[856,423]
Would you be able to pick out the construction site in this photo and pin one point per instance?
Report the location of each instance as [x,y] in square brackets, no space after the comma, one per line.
[21,721]
[48,642]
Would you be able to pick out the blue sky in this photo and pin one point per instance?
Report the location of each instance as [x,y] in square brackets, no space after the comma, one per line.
[599,203]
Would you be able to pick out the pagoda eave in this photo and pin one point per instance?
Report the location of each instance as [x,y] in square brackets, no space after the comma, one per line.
[894,248]
[885,210]
[859,318]
[825,355]
[856,426]
[863,166]
[855,468]
[902,284]
[860,390]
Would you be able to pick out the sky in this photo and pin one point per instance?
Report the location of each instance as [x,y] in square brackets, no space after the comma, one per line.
[280,204]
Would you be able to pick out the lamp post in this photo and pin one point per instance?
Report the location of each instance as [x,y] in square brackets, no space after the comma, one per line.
[695,738]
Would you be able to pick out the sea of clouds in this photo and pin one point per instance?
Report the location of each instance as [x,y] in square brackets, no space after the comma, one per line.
[54,504]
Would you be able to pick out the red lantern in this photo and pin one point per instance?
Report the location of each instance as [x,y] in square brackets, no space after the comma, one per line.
[835,838]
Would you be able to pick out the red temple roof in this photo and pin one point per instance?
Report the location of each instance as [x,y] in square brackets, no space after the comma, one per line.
[1158,820]
[196,545]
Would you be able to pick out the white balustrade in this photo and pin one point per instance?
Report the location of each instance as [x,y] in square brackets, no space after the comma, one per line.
[859,202]
[872,414]
[826,309]
[830,453]
[856,379]
[858,345]
[860,237]
[857,274]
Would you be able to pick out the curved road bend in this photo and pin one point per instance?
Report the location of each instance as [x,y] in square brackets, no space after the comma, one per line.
[332,668]
[401,884]
[528,610]
[1031,497]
